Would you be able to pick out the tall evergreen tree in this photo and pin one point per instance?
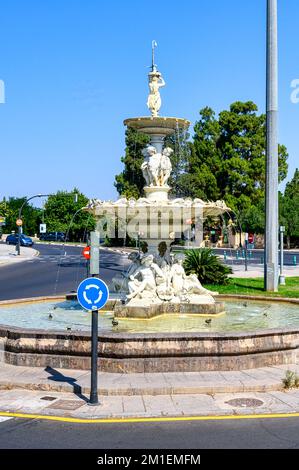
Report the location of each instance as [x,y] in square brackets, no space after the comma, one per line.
[289,210]
[130,182]
[228,160]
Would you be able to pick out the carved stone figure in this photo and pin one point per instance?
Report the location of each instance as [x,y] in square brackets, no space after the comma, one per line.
[154,99]
[163,258]
[183,284]
[151,166]
[165,166]
[120,281]
[156,168]
[146,287]
[148,152]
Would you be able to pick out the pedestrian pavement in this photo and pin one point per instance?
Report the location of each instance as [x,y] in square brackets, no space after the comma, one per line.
[65,393]
[258,271]
[8,254]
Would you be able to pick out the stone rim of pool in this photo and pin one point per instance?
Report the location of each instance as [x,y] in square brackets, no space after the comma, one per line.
[124,352]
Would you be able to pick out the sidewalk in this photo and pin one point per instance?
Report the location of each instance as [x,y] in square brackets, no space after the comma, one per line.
[258,271]
[64,393]
[9,255]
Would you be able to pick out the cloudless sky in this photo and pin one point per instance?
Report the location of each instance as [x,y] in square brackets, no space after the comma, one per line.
[75,69]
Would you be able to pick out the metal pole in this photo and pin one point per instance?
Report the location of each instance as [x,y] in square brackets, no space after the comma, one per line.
[282,280]
[19,241]
[94,267]
[94,400]
[271,232]
[246,255]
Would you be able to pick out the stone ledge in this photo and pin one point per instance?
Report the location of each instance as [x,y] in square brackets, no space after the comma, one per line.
[127,311]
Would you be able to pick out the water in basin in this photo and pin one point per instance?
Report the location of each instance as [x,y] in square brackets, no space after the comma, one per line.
[66,315]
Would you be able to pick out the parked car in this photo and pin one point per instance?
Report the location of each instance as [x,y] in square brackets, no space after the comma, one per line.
[52,237]
[24,240]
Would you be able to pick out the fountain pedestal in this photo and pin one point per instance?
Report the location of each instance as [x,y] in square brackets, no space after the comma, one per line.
[156,193]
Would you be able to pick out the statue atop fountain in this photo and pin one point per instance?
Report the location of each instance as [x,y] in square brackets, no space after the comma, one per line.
[155,82]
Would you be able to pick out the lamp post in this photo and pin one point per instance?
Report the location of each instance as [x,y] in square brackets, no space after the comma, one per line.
[27,199]
[246,251]
[271,232]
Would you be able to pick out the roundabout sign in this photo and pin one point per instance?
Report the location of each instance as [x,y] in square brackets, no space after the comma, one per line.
[92,293]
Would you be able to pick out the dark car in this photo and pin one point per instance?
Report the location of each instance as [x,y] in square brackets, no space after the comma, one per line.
[52,237]
[24,240]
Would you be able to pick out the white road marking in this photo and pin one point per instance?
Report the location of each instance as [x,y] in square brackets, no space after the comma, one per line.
[4,418]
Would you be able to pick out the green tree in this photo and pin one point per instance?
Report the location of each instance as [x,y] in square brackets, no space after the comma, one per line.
[31,215]
[228,161]
[242,145]
[205,158]
[130,182]
[289,209]
[179,142]
[60,209]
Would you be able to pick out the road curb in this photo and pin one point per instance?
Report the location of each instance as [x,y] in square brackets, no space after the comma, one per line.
[141,391]
[117,419]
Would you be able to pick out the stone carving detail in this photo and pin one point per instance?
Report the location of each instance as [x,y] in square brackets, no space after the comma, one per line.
[217,207]
[164,279]
[156,168]
[155,82]
[121,281]
[143,282]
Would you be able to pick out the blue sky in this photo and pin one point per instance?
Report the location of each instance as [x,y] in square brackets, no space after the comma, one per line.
[75,69]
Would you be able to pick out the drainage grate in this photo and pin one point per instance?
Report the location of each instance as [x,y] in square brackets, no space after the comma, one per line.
[245,402]
[66,405]
[48,398]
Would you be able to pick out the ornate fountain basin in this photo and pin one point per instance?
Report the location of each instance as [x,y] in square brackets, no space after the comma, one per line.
[157,125]
[126,350]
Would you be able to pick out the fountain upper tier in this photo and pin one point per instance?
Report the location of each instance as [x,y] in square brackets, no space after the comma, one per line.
[159,125]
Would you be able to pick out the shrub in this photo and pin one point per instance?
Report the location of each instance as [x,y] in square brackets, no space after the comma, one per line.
[291,379]
[207,266]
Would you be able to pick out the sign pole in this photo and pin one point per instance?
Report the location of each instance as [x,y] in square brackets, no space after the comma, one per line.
[94,266]
[94,400]
[92,295]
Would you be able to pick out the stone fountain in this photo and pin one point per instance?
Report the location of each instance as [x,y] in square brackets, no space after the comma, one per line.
[156,282]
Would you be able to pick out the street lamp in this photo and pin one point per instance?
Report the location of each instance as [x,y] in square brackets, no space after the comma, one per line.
[271,229]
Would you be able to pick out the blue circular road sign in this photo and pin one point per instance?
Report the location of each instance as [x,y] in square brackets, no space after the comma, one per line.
[92,293]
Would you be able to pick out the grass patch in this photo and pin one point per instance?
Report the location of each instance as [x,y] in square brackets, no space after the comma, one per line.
[255,286]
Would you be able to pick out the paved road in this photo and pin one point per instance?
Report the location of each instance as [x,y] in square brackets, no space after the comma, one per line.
[276,433]
[57,270]
[254,256]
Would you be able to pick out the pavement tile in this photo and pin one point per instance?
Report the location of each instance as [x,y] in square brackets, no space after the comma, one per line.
[161,404]
[133,404]
[287,398]
[194,404]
